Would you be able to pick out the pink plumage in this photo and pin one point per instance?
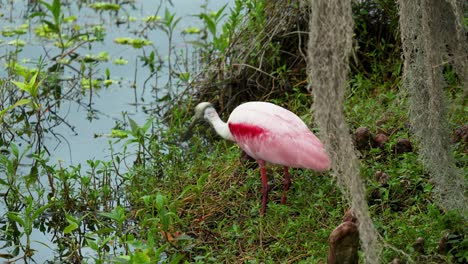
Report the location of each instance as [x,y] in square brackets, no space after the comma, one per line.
[270,133]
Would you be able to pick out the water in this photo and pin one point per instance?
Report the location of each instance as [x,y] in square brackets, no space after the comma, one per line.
[82,144]
[75,146]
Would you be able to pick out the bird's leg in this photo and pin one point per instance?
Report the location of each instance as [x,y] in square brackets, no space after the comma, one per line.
[264,186]
[287,183]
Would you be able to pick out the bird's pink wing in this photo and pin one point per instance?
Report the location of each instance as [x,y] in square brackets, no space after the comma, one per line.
[276,135]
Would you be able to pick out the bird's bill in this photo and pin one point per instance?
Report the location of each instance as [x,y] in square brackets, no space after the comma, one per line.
[189,133]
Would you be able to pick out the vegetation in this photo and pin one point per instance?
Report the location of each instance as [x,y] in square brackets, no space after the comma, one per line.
[159,198]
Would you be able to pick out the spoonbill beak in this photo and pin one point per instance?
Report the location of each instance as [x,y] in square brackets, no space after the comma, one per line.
[189,132]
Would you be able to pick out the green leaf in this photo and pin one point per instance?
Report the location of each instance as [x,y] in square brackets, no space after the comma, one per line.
[39,211]
[120,61]
[52,27]
[184,76]
[176,22]
[36,14]
[70,228]
[18,103]
[14,149]
[104,6]
[218,13]
[210,23]
[136,43]
[14,217]
[47,5]
[165,219]
[34,87]
[117,133]
[177,258]
[134,126]
[106,240]
[160,201]
[198,44]
[201,180]
[191,30]
[56,10]
[147,125]
[22,86]
[30,87]
[140,257]
[22,102]
[73,223]
[3,182]
[160,250]
[93,245]
[168,17]
[117,214]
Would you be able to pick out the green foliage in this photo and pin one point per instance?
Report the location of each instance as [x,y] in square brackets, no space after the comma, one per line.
[102,56]
[135,43]
[73,224]
[16,104]
[26,219]
[157,199]
[103,6]
[220,42]
[31,87]
[117,214]
[377,36]
[55,25]
[169,22]
[11,32]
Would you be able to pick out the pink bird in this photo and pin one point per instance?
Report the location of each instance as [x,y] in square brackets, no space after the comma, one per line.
[269,133]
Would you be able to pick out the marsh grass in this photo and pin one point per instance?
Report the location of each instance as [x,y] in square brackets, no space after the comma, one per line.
[214,196]
[158,198]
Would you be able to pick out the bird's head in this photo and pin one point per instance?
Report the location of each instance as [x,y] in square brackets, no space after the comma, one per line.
[200,110]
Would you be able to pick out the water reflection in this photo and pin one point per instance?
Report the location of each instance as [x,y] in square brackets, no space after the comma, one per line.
[70,127]
[89,113]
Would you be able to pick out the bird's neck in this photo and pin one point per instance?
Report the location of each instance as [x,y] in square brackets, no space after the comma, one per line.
[220,127]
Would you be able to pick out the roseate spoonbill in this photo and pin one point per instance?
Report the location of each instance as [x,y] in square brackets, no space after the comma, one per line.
[269,133]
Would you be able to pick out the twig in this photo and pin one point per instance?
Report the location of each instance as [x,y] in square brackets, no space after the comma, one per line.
[447,61]
[255,68]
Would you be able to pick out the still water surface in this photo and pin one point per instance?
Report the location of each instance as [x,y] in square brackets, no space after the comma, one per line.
[75,146]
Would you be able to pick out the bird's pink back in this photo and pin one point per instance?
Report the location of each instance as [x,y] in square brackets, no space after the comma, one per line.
[271,133]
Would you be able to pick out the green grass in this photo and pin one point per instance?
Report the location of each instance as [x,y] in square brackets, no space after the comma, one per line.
[198,201]
[215,197]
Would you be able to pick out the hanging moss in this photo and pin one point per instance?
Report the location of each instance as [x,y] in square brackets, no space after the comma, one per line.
[331,28]
[431,38]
